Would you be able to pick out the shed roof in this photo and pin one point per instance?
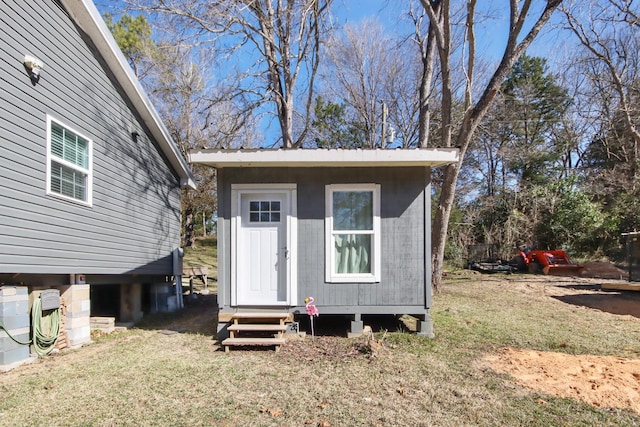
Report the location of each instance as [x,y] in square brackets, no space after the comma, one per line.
[87,17]
[220,158]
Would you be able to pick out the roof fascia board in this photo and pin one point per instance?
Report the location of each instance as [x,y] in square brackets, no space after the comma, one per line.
[89,19]
[325,157]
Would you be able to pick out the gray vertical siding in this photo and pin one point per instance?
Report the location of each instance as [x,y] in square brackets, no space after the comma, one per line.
[134,221]
[404,232]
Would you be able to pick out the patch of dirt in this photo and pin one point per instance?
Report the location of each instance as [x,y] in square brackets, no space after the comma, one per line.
[603,270]
[602,381]
[325,348]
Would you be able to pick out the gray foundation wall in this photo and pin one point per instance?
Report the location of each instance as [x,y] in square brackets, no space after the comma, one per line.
[14,315]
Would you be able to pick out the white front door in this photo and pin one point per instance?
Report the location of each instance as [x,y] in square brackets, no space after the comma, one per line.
[262,252]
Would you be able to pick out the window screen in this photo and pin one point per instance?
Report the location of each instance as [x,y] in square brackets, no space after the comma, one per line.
[70,163]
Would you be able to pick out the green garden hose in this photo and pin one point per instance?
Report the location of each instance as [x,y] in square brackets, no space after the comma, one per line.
[45,328]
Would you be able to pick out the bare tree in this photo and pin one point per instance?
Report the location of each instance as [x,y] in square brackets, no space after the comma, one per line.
[379,80]
[609,30]
[286,34]
[609,59]
[356,69]
[461,134]
[201,108]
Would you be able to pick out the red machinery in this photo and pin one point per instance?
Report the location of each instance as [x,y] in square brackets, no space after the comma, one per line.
[555,262]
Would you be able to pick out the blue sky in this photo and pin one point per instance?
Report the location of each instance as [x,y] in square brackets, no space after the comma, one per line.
[355,10]
[491,25]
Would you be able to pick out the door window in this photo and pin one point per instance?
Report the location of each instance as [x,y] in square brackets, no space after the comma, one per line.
[264,211]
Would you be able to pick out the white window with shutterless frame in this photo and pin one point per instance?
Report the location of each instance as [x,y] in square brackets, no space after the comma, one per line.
[352,228]
[69,163]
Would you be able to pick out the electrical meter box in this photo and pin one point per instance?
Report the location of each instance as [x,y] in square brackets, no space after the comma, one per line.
[50,299]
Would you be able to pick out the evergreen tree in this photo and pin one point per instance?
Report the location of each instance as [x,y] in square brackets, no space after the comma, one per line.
[332,128]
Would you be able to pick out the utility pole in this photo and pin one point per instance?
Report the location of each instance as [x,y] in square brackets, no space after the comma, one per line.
[385,112]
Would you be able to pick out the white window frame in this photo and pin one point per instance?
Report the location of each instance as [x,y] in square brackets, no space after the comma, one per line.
[330,256]
[88,172]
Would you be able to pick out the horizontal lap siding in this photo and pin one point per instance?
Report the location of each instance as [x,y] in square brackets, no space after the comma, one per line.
[133,224]
[403,231]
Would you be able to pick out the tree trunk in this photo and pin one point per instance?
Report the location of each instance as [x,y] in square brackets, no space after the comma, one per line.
[204,223]
[428,53]
[472,117]
[189,238]
[440,224]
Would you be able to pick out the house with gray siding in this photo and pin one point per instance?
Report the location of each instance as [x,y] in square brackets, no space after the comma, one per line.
[90,178]
[350,228]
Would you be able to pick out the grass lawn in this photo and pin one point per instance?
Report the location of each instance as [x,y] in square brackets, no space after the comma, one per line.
[168,371]
[203,254]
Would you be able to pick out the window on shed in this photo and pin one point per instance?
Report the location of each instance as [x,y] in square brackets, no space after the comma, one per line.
[69,168]
[352,223]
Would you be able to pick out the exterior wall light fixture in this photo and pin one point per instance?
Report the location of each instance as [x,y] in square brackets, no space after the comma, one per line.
[33,66]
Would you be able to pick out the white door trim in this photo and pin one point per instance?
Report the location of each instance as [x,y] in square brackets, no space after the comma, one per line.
[291,225]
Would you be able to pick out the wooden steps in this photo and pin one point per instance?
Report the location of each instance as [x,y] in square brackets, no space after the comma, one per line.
[277,342]
[257,329]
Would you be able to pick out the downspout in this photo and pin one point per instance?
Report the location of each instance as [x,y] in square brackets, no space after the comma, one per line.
[178,253]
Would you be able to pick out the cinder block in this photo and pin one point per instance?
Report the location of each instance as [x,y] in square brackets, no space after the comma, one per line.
[72,322]
[103,324]
[102,321]
[79,336]
[7,344]
[7,291]
[15,304]
[72,293]
[8,309]
[15,322]
[77,313]
[78,306]
[14,332]
[22,307]
[15,355]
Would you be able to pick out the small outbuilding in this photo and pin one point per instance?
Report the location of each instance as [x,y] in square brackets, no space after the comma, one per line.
[350,228]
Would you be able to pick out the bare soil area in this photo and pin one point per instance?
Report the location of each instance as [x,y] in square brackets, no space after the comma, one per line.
[601,381]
